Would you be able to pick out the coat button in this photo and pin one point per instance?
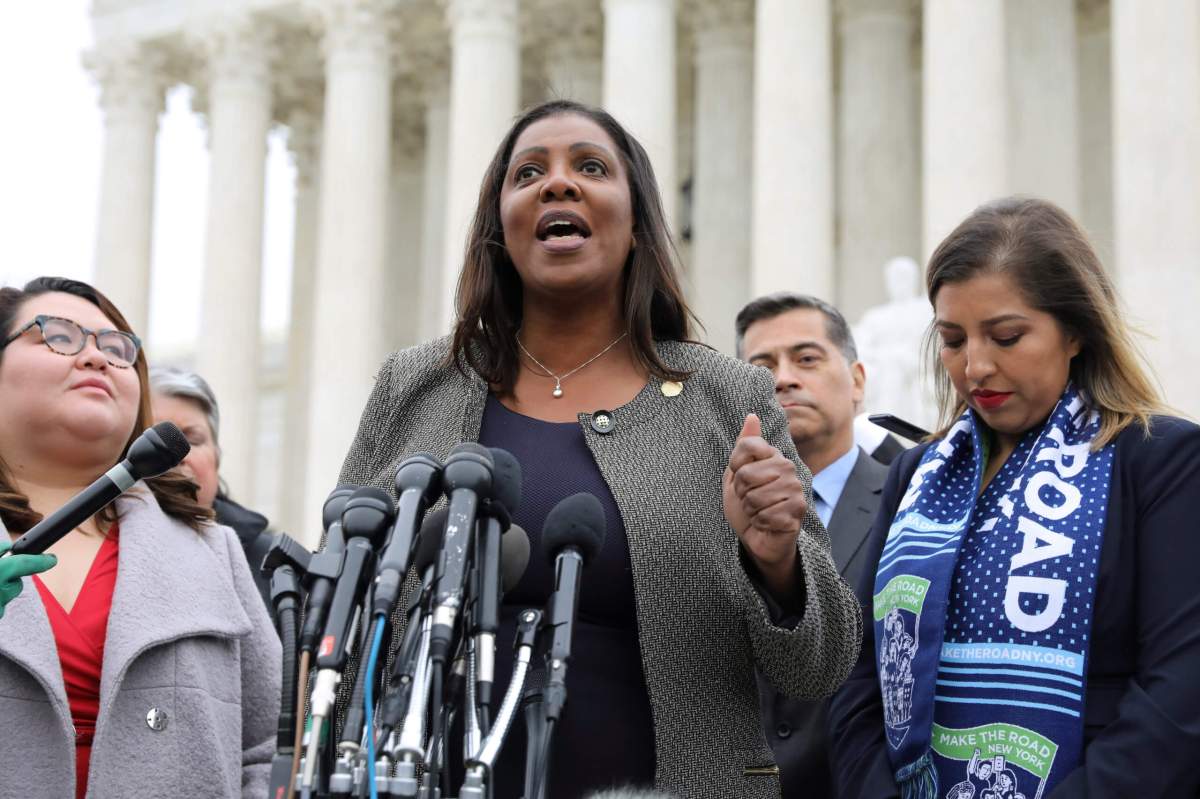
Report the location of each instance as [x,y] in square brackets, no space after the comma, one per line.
[156,719]
[784,730]
[603,421]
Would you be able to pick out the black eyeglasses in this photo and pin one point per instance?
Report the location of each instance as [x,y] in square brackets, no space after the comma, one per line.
[69,338]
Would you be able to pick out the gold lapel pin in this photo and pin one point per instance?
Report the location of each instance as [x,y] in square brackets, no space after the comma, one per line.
[672,388]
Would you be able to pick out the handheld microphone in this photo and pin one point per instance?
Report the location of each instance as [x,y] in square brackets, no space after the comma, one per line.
[324,568]
[418,482]
[365,521]
[572,536]
[494,521]
[156,450]
[468,479]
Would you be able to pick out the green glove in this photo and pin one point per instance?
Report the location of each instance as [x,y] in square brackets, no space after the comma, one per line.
[14,567]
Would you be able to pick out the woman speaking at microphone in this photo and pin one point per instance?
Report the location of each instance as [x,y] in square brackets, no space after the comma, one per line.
[572,350]
[143,663]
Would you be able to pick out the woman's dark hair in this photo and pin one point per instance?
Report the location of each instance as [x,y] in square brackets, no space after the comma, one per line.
[1050,260]
[175,493]
[488,299]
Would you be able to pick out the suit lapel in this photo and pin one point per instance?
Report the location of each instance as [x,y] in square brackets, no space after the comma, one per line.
[170,585]
[852,517]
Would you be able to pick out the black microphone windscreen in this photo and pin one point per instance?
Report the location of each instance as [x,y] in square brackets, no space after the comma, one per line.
[506,479]
[432,531]
[174,439]
[471,446]
[335,504]
[156,450]
[514,557]
[577,521]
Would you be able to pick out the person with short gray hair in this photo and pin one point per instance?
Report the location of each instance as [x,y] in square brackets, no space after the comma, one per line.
[185,398]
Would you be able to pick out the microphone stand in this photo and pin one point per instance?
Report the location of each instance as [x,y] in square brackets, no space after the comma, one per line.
[477,783]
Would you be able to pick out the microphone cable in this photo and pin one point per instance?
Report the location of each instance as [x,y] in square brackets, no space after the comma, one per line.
[369,701]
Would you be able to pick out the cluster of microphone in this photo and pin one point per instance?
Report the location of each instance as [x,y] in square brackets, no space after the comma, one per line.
[402,697]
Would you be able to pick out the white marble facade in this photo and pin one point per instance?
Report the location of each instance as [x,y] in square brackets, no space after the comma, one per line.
[800,145]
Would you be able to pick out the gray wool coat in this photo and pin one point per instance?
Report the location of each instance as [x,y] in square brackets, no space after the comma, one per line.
[187,636]
[702,625]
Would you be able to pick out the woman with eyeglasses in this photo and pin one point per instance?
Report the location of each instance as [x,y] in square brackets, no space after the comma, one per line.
[143,662]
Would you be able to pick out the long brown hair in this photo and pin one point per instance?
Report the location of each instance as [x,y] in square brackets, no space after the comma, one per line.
[1050,260]
[488,299]
[176,494]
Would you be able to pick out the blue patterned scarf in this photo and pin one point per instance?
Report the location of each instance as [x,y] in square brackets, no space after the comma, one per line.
[983,608]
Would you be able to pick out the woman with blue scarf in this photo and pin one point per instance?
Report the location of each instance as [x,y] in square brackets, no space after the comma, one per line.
[1033,627]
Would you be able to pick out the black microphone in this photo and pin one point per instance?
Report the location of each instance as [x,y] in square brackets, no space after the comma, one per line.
[467,478]
[153,452]
[418,483]
[324,568]
[365,521]
[396,699]
[494,521]
[573,534]
[514,557]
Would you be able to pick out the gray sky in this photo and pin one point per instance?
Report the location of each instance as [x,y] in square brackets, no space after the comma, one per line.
[50,150]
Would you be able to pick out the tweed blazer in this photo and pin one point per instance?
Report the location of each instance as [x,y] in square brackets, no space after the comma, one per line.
[187,636]
[702,624]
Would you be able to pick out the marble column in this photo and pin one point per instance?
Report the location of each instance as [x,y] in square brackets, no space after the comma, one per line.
[879,150]
[131,96]
[1156,117]
[1095,125]
[965,157]
[1043,101]
[238,50]
[483,41]
[437,290]
[640,81]
[349,341]
[304,140]
[721,192]
[405,220]
[792,233]
[572,52]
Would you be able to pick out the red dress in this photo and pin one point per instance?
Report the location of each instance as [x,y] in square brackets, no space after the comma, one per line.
[79,636]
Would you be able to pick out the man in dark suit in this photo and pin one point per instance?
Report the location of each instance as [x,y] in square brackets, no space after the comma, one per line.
[808,346]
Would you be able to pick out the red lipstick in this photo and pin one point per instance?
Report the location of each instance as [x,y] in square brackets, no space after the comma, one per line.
[990,400]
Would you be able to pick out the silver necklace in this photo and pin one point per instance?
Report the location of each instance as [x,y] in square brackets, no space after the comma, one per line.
[558,392]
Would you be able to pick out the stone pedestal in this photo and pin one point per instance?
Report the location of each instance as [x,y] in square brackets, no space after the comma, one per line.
[131,96]
[1156,110]
[721,193]
[483,42]
[239,115]
[965,113]
[349,340]
[640,80]
[879,151]
[792,229]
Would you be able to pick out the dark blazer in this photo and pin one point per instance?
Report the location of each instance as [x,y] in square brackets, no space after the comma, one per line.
[888,450]
[1142,702]
[795,728]
[702,624]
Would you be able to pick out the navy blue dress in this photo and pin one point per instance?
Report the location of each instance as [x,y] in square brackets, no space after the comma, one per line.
[606,735]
